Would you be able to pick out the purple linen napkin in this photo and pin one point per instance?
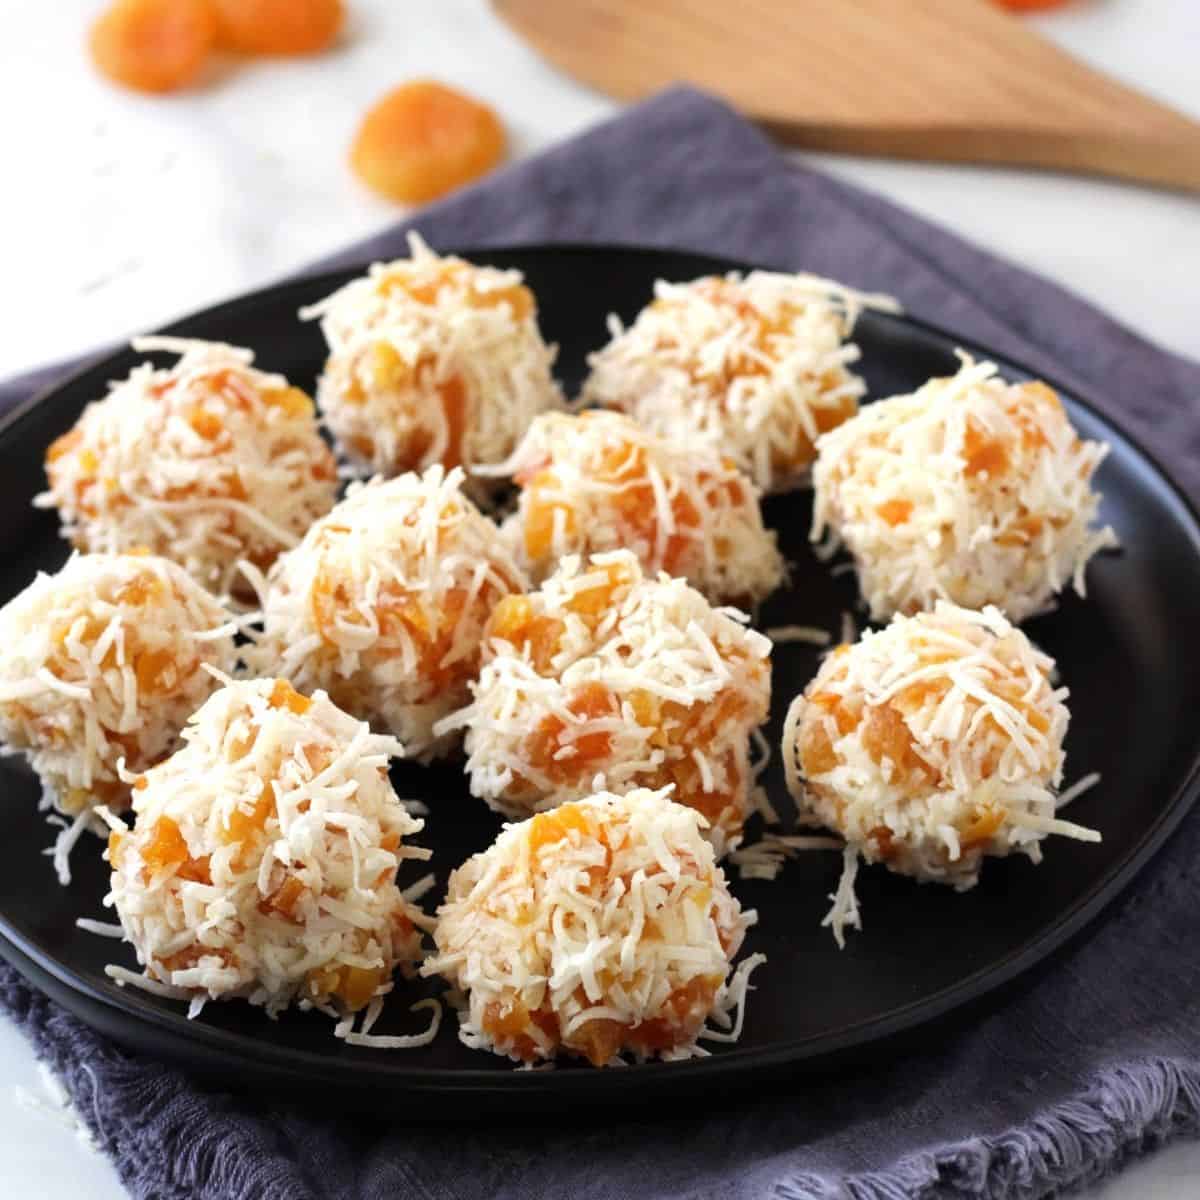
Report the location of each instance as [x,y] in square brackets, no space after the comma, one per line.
[1096,1060]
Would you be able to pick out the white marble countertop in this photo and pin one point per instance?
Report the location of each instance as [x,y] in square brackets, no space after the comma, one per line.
[154,207]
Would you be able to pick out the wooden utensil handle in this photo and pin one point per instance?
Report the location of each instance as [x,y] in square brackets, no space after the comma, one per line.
[928,79]
[1165,162]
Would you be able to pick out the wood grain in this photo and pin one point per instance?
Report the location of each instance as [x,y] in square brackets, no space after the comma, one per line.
[956,80]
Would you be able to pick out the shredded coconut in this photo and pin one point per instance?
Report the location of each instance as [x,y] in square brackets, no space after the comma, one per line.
[597,482]
[607,675]
[376,1041]
[970,489]
[1077,789]
[432,360]
[100,662]
[764,859]
[929,745]
[809,634]
[263,858]
[204,463]
[100,928]
[602,928]
[384,602]
[758,366]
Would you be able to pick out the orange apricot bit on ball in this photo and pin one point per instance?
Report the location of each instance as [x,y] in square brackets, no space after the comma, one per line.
[167,848]
[278,26]
[424,139]
[355,986]
[283,695]
[895,511]
[153,45]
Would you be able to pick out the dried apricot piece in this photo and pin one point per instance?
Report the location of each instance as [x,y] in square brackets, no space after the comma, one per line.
[283,695]
[424,139]
[895,511]
[278,26]
[153,45]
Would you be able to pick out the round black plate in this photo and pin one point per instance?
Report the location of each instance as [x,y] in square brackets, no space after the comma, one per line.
[1127,654]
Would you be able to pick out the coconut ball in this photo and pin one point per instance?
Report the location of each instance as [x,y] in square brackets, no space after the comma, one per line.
[384,603]
[930,745]
[206,463]
[606,674]
[104,661]
[598,482]
[970,489]
[432,360]
[759,366]
[262,860]
[601,928]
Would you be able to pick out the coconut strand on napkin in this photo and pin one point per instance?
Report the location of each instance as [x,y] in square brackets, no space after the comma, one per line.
[1089,1061]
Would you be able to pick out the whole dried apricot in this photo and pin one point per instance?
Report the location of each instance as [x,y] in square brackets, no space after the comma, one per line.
[153,45]
[424,139]
[278,26]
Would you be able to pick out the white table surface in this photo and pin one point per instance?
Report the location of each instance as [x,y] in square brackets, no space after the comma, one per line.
[154,207]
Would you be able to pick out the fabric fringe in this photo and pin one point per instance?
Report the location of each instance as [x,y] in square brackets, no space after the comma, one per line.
[1127,1111]
[207,1145]
[213,1145]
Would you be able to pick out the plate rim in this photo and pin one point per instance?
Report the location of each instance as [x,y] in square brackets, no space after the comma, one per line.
[281,1063]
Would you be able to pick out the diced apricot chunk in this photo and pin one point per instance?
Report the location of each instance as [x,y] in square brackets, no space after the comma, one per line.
[541,517]
[589,702]
[884,840]
[283,695]
[354,986]
[515,620]
[388,369]
[983,453]
[595,597]
[424,139]
[206,424]
[242,826]
[153,45]
[156,671]
[886,734]
[981,829]
[895,511]
[166,845]
[292,400]
[141,589]
[284,898]
[454,406]
[64,445]
[557,824]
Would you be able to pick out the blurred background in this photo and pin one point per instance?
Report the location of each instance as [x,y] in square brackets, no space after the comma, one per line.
[126,209]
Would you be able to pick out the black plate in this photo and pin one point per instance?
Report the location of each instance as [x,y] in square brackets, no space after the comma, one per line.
[1128,655]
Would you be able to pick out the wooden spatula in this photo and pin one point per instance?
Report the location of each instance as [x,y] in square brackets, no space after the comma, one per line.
[933,79]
